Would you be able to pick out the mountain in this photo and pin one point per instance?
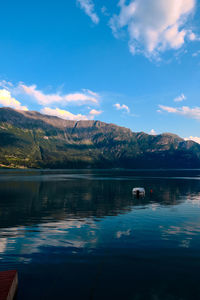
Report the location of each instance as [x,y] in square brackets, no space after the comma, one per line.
[33,140]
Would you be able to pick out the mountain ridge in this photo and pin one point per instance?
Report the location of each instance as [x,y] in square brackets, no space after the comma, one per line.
[29,139]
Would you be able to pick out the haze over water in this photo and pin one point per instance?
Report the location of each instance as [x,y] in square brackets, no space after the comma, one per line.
[80,234]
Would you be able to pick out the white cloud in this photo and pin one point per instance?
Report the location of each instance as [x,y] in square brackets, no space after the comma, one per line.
[154,26]
[8,101]
[80,98]
[96,95]
[105,11]
[196,53]
[152,132]
[122,107]
[192,36]
[180,98]
[64,114]
[5,84]
[57,99]
[193,113]
[193,138]
[95,112]
[88,7]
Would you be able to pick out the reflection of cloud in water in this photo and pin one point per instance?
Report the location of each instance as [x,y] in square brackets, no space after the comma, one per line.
[73,233]
[3,244]
[154,206]
[69,234]
[190,230]
[194,199]
[69,224]
[185,243]
[119,234]
[183,234]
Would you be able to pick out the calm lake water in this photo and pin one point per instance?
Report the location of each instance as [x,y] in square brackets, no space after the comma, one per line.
[80,234]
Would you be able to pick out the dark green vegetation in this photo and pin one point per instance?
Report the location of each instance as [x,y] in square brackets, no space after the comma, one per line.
[32,140]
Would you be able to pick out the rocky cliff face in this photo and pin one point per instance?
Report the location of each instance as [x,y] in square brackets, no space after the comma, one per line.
[33,140]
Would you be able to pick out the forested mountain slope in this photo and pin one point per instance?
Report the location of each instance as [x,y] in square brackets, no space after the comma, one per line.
[33,140]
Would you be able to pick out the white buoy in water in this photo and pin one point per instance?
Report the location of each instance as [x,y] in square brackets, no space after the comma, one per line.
[138,191]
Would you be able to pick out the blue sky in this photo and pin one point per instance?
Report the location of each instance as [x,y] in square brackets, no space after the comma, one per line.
[135,63]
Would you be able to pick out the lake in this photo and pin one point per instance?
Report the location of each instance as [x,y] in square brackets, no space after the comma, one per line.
[80,234]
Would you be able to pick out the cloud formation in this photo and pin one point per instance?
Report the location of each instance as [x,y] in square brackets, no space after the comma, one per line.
[57,100]
[193,138]
[95,112]
[124,107]
[66,115]
[193,113]
[152,132]
[8,101]
[195,54]
[104,11]
[154,26]
[180,98]
[79,98]
[88,7]
[61,113]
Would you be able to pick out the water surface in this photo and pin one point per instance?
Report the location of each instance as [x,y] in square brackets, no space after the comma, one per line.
[80,234]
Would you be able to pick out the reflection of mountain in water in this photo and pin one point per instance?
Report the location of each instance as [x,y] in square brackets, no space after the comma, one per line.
[33,198]
[71,231]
